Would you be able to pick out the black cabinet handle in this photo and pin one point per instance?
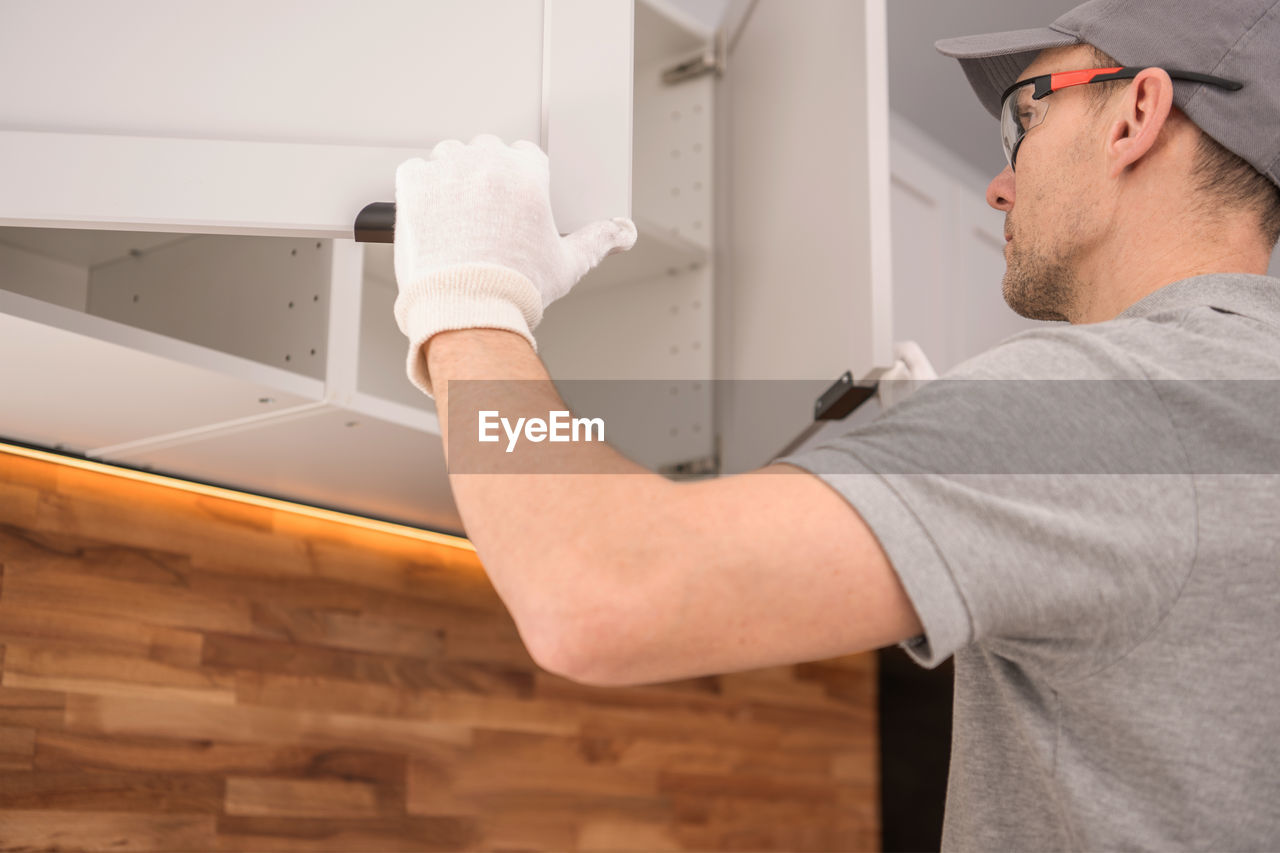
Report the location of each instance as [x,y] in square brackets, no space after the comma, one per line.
[376,223]
[836,403]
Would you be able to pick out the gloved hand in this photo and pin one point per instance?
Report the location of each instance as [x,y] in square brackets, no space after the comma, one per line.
[910,370]
[476,245]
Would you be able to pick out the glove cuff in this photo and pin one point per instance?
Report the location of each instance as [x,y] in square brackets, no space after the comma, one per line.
[465,296]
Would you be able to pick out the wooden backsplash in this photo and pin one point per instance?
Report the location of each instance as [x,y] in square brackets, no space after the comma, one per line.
[190,673]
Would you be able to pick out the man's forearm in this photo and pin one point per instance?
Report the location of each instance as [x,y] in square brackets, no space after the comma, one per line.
[550,542]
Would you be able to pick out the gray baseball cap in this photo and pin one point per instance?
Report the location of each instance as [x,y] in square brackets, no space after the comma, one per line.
[1235,39]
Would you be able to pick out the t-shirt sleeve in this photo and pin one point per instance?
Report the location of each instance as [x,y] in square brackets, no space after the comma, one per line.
[1050,521]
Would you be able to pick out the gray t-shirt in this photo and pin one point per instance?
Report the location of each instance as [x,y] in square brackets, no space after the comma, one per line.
[1103,560]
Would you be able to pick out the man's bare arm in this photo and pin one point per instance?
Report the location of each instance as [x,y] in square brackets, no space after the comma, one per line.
[548,541]
[632,578]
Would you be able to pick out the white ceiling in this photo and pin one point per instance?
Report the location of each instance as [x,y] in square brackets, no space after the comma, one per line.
[926,88]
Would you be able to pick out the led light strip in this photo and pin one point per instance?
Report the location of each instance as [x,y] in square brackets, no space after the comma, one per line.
[242,497]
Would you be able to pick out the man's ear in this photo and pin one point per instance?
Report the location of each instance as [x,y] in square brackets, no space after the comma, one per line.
[1144,113]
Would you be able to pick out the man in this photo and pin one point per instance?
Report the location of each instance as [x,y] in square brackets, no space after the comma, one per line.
[1104,565]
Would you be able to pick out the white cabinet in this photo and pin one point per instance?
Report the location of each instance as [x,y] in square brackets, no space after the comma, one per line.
[179,286]
[279,117]
[806,291]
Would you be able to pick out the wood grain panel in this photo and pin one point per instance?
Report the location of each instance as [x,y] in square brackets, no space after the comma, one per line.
[17,748]
[346,835]
[31,708]
[77,790]
[87,671]
[54,628]
[184,672]
[30,584]
[55,829]
[246,724]
[301,798]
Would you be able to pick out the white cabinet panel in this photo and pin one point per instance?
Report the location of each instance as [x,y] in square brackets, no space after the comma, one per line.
[806,302]
[318,71]
[194,186]
[384,350]
[83,383]
[326,457]
[262,299]
[648,314]
[278,117]
[45,277]
[587,108]
[807,287]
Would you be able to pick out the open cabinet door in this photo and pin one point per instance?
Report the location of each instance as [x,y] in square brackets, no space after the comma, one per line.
[279,118]
[803,287]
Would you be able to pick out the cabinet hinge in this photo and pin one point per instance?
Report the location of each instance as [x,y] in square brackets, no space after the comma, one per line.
[711,59]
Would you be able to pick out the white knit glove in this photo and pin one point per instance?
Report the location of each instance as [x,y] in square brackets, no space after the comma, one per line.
[476,245]
[910,370]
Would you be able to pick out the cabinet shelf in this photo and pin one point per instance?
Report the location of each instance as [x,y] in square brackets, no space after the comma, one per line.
[86,383]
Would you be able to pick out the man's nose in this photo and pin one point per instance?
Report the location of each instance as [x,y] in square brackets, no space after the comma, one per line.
[1000,190]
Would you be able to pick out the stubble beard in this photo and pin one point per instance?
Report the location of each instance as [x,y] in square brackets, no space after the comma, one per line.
[1039,287]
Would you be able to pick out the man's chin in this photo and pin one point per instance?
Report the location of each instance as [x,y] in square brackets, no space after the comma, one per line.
[1041,298]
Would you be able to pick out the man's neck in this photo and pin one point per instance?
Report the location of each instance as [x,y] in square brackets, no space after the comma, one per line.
[1127,271]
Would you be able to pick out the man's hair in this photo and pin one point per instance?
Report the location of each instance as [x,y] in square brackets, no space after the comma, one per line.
[1224,177]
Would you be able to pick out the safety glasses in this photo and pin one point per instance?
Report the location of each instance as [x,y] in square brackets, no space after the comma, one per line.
[1023,105]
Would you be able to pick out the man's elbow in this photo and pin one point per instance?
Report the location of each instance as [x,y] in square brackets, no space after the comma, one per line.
[563,649]
[593,605]
[586,645]
[603,649]
[588,675]
[562,629]
[550,652]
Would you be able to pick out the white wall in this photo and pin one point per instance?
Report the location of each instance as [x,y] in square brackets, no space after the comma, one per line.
[948,252]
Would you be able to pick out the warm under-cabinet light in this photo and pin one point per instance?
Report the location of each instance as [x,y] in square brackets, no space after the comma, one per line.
[242,497]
